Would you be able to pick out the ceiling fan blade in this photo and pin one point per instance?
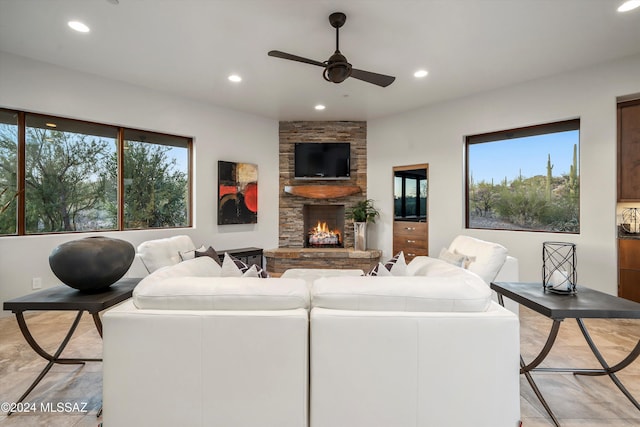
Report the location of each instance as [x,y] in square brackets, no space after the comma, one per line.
[284,55]
[369,77]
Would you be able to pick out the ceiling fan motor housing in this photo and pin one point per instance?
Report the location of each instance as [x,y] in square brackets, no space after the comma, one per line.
[338,69]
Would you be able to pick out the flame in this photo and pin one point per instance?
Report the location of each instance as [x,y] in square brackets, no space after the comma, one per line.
[322,228]
[321,234]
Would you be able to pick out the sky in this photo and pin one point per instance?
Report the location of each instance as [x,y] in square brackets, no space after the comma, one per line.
[506,158]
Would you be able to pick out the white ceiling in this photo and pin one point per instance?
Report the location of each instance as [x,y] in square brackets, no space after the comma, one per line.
[189,47]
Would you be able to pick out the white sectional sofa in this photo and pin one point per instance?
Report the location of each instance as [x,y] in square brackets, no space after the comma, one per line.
[421,351]
[208,351]
[193,348]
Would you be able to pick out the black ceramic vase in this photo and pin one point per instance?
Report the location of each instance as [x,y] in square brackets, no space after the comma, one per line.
[91,264]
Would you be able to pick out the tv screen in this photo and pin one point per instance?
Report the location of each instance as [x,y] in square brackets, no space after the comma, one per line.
[322,160]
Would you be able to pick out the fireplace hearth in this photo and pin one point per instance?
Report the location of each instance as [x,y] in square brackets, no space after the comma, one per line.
[324,226]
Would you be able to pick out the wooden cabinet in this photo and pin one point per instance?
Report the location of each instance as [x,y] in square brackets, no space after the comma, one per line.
[410,196]
[629,151]
[629,269]
[410,237]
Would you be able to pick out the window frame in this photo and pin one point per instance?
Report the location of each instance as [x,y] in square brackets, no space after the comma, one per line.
[21,174]
[516,133]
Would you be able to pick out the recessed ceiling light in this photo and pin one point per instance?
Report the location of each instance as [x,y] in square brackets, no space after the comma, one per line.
[51,125]
[235,78]
[320,107]
[629,5]
[420,73]
[78,26]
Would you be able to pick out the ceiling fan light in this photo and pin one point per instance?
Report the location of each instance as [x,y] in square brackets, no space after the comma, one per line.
[629,5]
[420,73]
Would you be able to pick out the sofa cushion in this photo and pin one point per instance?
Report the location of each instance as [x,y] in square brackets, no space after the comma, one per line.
[463,292]
[222,293]
[163,252]
[489,257]
[198,267]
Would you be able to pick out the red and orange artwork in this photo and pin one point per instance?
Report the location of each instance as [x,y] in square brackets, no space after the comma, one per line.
[237,193]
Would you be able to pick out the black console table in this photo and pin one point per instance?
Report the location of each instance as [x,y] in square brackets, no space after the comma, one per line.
[585,304]
[247,255]
[67,299]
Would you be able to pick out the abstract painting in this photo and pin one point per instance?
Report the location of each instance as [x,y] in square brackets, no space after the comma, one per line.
[237,193]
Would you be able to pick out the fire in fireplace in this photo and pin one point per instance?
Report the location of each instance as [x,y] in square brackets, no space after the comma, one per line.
[321,235]
[324,226]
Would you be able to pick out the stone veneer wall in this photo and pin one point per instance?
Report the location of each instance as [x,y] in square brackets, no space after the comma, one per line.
[291,223]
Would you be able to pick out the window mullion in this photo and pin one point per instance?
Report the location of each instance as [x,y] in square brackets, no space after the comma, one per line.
[21,174]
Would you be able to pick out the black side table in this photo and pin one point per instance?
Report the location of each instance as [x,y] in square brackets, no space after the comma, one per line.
[65,298]
[585,304]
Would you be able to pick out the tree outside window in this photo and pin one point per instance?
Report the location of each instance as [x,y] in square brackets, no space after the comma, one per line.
[71,176]
[8,172]
[525,179]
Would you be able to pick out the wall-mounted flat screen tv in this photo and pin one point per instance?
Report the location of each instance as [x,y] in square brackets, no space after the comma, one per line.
[322,160]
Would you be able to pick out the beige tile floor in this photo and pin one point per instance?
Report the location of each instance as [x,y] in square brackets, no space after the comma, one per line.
[577,401]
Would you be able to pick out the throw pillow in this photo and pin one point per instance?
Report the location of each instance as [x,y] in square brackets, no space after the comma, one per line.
[452,258]
[210,252]
[379,270]
[467,259]
[396,266]
[190,254]
[233,267]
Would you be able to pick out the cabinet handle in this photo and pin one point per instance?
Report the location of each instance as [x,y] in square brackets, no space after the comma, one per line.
[409,254]
[411,241]
[410,228]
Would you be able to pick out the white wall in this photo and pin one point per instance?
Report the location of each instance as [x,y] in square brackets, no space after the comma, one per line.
[219,134]
[435,135]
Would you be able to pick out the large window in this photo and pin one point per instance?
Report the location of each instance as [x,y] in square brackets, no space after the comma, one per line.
[525,179]
[8,172]
[81,176]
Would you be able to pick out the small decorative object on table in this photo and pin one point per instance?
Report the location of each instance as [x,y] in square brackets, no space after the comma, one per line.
[631,220]
[559,267]
[91,264]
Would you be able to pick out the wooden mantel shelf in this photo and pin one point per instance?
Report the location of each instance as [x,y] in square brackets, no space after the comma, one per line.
[322,191]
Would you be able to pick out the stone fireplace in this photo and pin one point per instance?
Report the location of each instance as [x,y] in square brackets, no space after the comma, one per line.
[323,225]
[292,229]
[304,203]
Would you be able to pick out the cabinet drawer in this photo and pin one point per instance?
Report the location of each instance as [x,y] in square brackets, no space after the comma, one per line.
[411,241]
[411,238]
[408,229]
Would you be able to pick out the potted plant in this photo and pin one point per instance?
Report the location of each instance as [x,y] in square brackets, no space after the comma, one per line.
[362,213]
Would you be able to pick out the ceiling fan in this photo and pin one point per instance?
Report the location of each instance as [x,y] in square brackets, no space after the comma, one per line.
[337,69]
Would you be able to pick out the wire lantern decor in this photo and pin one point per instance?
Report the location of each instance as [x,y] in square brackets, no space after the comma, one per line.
[559,267]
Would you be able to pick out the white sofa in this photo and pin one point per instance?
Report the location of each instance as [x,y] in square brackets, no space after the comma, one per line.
[208,351]
[235,352]
[412,351]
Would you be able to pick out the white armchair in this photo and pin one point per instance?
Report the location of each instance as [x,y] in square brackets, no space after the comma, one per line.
[154,254]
